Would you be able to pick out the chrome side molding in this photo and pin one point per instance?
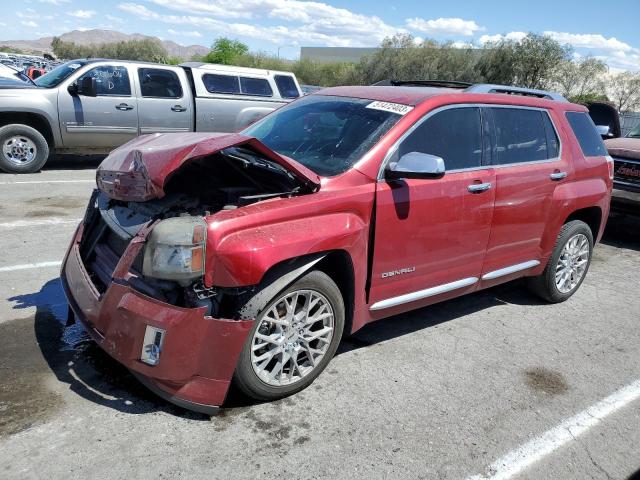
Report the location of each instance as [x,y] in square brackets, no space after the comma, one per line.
[428,292]
[509,270]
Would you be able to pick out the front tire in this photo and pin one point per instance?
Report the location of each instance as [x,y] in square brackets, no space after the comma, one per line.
[22,149]
[568,264]
[293,338]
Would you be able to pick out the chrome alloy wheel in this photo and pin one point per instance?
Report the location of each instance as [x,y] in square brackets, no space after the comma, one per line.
[572,263]
[293,336]
[19,150]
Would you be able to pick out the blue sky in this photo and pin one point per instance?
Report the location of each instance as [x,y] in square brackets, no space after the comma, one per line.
[608,30]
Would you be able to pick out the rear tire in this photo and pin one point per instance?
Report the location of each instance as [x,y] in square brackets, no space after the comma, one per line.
[567,266]
[22,149]
[281,356]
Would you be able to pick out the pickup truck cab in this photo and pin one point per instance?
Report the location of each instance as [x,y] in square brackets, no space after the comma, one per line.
[92,106]
[210,258]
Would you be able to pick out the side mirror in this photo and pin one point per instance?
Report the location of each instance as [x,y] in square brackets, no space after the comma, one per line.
[416,165]
[604,131]
[73,89]
[88,87]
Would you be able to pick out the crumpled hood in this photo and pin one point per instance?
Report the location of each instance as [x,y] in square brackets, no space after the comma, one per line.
[624,147]
[158,156]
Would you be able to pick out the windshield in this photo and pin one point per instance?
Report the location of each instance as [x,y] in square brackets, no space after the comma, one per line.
[326,134]
[58,74]
[635,133]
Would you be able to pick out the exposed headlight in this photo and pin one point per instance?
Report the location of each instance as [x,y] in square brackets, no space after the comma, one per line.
[175,249]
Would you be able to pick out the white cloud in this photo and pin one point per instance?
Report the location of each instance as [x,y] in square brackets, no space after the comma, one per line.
[82,13]
[192,33]
[29,23]
[512,36]
[321,23]
[593,41]
[114,19]
[445,26]
[54,2]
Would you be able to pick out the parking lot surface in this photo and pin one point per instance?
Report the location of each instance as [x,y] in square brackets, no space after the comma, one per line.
[493,385]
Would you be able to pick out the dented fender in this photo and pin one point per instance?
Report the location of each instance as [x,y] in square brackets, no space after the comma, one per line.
[243,257]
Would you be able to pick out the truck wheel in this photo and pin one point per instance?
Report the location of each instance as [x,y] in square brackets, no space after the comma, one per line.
[23,149]
[293,339]
[568,264]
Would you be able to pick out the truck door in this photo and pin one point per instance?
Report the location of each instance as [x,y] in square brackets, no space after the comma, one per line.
[105,121]
[166,102]
[431,234]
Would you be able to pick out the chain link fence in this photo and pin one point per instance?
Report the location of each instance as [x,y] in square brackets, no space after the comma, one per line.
[629,121]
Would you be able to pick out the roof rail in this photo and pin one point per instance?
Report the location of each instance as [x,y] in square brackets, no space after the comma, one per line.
[423,83]
[530,92]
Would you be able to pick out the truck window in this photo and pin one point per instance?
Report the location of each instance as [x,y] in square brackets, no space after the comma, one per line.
[454,134]
[585,131]
[110,80]
[159,83]
[255,86]
[286,86]
[215,83]
[520,136]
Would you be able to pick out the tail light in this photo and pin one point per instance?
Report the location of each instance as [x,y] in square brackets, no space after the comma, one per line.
[610,166]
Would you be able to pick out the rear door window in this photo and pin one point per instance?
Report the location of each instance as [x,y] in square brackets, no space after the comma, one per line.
[215,83]
[255,86]
[454,134]
[585,131]
[521,136]
[286,86]
[159,83]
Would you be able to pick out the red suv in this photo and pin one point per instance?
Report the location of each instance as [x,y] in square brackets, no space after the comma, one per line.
[210,258]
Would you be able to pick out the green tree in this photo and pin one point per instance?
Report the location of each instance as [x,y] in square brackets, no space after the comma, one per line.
[624,90]
[582,78]
[226,51]
[536,58]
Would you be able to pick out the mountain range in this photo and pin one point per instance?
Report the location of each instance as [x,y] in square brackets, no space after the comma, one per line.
[98,37]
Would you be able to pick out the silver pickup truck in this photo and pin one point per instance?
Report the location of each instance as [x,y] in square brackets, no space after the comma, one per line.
[93,106]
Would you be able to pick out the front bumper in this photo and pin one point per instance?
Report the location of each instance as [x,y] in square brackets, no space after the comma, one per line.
[199,354]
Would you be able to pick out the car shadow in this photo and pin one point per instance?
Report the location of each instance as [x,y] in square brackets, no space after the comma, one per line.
[622,231]
[77,361]
[93,375]
[428,317]
[73,162]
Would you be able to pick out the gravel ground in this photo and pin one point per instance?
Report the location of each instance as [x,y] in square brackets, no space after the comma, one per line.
[441,392]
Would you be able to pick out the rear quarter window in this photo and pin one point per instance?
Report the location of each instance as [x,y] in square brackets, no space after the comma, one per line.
[585,131]
[286,86]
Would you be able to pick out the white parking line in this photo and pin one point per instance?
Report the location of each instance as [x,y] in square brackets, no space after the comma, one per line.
[29,266]
[37,223]
[517,460]
[30,182]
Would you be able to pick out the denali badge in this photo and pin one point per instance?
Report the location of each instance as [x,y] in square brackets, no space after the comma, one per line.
[398,272]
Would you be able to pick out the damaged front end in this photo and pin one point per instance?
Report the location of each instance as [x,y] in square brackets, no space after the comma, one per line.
[134,274]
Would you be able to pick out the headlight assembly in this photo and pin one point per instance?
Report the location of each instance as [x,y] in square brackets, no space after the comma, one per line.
[175,249]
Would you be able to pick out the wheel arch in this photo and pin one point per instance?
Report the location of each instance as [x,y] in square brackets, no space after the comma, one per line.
[592,216]
[337,264]
[33,120]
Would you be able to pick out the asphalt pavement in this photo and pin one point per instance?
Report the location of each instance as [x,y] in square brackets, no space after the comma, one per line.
[496,384]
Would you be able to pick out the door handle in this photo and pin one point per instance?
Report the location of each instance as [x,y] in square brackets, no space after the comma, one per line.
[555,176]
[479,187]
[179,108]
[124,107]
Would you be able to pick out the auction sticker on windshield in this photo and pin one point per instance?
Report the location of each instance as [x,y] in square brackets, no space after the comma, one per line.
[390,107]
